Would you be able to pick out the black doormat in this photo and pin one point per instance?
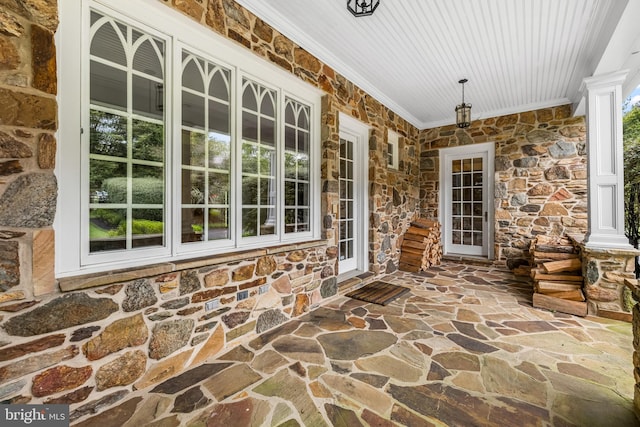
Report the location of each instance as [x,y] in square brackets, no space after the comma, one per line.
[378,292]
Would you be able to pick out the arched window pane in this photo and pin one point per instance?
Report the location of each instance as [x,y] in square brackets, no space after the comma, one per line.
[267,107]
[146,59]
[303,118]
[249,98]
[192,76]
[107,44]
[289,115]
[219,85]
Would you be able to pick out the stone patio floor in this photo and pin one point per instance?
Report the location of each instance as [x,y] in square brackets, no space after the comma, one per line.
[463,348]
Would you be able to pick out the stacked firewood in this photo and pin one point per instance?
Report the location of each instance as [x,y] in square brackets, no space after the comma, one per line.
[557,275]
[421,246]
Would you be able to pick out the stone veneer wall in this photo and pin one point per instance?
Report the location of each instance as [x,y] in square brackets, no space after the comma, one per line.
[605,272]
[540,175]
[111,333]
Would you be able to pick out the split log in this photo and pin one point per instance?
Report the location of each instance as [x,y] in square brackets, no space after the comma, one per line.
[576,295]
[577,308]
[539,274]
[563,265]
[554,256]
[419,231]
[411,250]
[546,285]
[425,223]
[409,267]
[567,249]
[414,237]
[542,239]
[410,257]
[415,244]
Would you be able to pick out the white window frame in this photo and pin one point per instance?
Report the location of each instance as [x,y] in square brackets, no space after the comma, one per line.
[86,257]
[212,246]
[181,32]
[393,145]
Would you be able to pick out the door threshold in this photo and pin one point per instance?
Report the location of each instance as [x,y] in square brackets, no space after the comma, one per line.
[359,274]
[470,259]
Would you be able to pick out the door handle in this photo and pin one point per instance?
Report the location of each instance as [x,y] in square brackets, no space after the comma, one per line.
[486,216]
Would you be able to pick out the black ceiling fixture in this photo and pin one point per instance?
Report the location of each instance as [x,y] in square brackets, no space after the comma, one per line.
[362,7]
[463,111]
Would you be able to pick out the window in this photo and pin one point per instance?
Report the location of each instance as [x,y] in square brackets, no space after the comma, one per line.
[296,167]
[126,137]
[186,153]
[205,150]
[392,150]
[258,160]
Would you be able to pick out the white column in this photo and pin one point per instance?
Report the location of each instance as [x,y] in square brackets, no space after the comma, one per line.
[605,166]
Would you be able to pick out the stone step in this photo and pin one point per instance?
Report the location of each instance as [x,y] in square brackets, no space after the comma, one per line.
[354,283]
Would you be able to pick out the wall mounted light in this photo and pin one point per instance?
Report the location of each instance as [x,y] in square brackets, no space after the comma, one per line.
[362,7]
[463,111]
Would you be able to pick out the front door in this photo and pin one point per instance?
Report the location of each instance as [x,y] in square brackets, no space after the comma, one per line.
[353,201]
[348,220]
[466,199]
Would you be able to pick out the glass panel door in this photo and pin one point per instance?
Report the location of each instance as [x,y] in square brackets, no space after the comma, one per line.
[466,204]
[348,221]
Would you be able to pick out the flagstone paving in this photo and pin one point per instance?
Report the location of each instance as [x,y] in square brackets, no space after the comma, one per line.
[463,348]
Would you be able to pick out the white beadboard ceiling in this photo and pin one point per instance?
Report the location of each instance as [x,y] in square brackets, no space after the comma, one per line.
[518,55]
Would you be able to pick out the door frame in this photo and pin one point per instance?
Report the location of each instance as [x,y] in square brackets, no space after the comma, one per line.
[350,127]
[445,184]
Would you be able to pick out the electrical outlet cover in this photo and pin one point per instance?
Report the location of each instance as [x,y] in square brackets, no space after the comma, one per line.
[211,305]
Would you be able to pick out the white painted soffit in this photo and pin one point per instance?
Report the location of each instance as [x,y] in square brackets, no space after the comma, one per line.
[518,55]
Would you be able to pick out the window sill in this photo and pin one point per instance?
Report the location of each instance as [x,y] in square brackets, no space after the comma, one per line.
[75,283]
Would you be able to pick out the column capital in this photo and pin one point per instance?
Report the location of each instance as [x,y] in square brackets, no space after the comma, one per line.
[604,80]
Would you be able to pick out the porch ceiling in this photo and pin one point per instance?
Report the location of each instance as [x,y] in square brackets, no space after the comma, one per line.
[518,55]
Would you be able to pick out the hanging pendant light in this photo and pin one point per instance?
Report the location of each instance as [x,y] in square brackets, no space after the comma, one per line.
[463,111]
[362,7]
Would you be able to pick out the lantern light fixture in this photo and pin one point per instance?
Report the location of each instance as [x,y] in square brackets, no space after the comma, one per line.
[463,111]
[362,7]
